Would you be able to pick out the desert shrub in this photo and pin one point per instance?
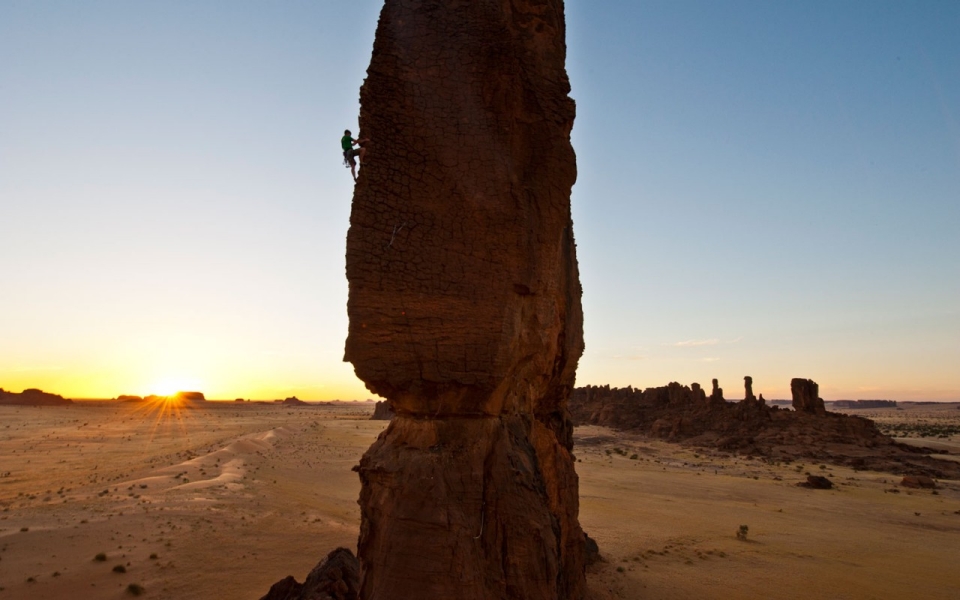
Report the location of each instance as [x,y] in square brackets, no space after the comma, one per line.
[742,532]
[119,569]
[100,557]
[135,589]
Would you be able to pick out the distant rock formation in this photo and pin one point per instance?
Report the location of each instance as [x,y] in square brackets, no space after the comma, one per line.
[748,386]
[864,403]
[717,393]
[336,577]
[382,412]
[32,397]
[189,397]
[293,401]
[129,398]
[806,397]
[464,304]
[685,414]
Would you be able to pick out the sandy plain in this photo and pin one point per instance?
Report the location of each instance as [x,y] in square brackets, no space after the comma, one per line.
[222,501]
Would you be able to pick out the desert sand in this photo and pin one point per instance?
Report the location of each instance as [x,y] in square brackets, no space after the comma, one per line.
[223,500]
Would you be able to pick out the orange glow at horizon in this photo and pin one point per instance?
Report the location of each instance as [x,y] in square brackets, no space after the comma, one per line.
[171,385]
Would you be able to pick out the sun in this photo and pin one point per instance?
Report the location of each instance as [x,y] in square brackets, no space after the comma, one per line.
[171,385]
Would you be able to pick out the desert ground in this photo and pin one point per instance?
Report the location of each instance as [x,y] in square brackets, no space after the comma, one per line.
[222,501]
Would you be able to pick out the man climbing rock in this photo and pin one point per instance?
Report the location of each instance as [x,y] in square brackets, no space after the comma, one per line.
[350,154]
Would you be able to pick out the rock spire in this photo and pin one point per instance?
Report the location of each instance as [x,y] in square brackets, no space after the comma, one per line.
[464,304]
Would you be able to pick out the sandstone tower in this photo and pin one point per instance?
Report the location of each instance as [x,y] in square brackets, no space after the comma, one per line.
[464,304]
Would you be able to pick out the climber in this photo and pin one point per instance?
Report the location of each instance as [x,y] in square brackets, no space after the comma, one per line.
[350,153]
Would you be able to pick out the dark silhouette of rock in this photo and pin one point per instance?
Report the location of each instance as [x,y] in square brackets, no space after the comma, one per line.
[189,397]
[382,412]
[287,588]
[685,414]
[918,481]
[817,482]
[748,387]
[464,304]
[592,550]
[806,397]
[32,397]
[717,393]
[336,577]
[129,398]
[293,401]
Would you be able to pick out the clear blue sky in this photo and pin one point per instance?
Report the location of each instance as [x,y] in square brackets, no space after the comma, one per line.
[764,188]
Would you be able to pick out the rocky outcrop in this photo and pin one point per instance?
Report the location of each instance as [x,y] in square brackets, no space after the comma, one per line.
[336,577]
[32,397]
[717,393]
[464,304]
[189,397]
[817,482]
[685,414]
[382,412]
[918,481]
[806,397]
[292,401]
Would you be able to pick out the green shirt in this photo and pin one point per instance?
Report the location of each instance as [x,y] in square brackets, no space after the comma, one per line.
[346,142]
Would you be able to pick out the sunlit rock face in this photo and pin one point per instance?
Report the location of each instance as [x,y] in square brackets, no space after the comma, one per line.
[464,303]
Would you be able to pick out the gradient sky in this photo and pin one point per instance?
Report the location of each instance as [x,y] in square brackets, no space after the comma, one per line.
[765,188]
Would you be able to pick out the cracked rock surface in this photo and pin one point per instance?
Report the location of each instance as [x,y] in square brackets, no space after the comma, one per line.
[464,304]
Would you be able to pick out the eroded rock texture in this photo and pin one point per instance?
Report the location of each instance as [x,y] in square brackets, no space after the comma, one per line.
[465,304]
[806,397]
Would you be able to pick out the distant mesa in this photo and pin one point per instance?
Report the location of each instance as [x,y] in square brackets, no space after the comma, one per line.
[239,400]
[32,397]
[864,403]
[292,401]
[126,398]
[189,397]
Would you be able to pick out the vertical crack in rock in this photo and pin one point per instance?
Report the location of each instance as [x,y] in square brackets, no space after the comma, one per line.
[464,304]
